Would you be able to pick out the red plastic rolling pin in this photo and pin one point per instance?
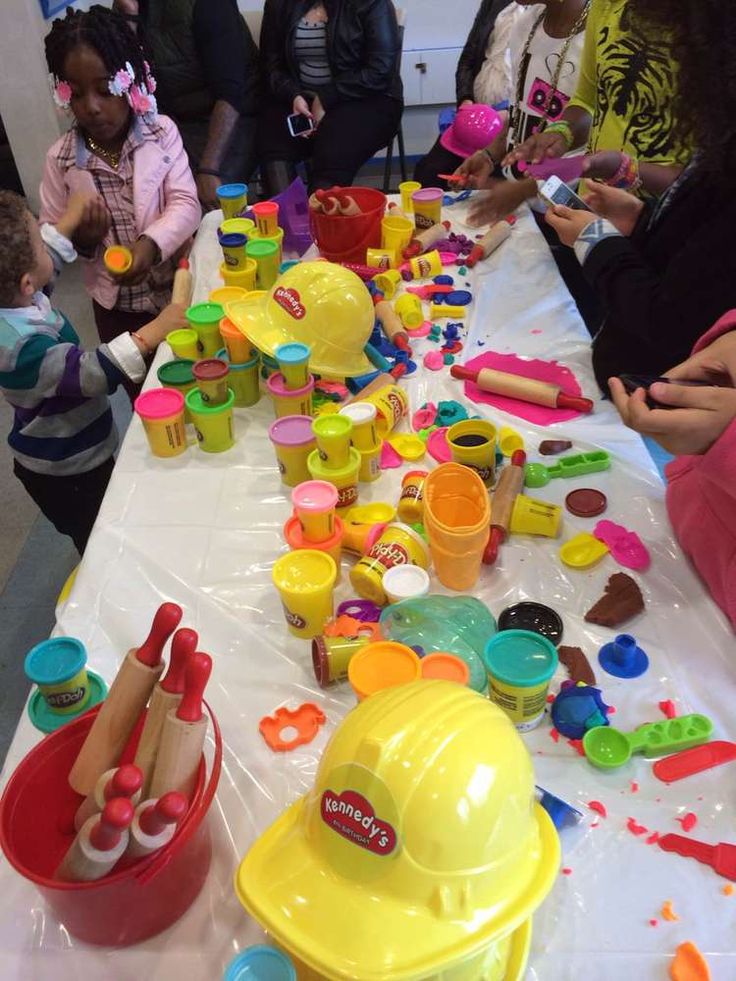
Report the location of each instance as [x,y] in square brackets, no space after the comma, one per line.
[496,236]
[124,781]
[155,823]
[99,844]
[525,389]
[509,486]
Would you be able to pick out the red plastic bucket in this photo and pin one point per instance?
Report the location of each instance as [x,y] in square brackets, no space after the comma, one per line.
[36,828]
[344,238]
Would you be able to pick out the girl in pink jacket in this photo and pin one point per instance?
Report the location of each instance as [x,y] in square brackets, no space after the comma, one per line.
[133,159]
[700,429]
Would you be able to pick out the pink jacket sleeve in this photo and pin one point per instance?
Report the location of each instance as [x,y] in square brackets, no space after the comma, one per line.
[54,192]
[182,213]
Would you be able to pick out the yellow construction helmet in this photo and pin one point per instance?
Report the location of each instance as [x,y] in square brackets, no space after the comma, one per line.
[420,846]
[316,303]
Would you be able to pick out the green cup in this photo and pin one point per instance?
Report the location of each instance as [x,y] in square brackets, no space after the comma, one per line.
[213,423]
[178,375]
[205,319]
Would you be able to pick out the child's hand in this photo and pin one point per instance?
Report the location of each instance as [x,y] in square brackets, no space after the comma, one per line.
[701,416]
[94,225]
[476,169]
[144,252]
[76,209]
[171,318]
[715,363]
[539,147]
[621,208]
[499,201]
[568,222]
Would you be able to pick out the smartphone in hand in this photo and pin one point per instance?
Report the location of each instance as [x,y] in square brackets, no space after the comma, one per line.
[554,191]
[299,124]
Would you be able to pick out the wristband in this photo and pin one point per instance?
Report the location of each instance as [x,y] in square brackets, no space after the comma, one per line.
[564,129]
[626,177]
[209,172]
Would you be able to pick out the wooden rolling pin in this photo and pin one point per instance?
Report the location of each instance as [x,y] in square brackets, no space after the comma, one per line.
[181,291]
[125,701]
[155,823]
[392,325]
[525,389]
[489,243]
[99,844]
[509,486]
[166,696]
[424,240]
[123,781]
[183,734]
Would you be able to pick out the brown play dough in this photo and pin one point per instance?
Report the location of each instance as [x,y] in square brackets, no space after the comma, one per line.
[548,447]
[621,601]
[577,665]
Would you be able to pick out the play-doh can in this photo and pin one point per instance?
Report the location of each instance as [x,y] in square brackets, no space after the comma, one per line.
[398,544]
[520,666]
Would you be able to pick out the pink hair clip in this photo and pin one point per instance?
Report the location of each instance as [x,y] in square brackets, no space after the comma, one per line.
[62,94]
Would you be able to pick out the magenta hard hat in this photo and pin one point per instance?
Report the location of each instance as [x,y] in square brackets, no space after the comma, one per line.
[474,127]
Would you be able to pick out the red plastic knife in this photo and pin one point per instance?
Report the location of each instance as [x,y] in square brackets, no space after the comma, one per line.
[721,857]
[695,760]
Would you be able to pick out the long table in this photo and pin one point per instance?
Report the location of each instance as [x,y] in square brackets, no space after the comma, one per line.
[204,530]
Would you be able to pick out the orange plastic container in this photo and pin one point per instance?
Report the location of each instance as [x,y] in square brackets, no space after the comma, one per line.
[147,895]
[344,238]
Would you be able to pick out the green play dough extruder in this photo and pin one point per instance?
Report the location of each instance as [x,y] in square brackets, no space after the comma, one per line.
[539,474]
[608,748]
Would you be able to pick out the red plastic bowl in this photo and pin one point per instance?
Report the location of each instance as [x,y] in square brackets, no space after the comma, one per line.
[344,238]
[36,828]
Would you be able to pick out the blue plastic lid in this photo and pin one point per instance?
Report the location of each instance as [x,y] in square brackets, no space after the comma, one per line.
[231,190]
[459,298]
[233,240]
[521,658]
[443,280]
[54,661]
[292,353]
[260,963]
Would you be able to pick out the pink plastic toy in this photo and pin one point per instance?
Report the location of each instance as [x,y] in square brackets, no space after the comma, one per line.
[424,418]
[474,127]
[438,447]
[625,546]
[420,331]
[566,168]
[390,459]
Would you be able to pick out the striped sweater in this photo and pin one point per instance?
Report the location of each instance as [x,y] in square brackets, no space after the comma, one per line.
[63,422]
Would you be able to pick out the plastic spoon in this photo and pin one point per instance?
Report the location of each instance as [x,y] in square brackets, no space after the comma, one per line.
[721,857]
[609,748]
[694,761]
[539,475]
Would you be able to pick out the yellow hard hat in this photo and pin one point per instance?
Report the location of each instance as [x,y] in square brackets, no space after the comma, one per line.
[316,303]
[420,844]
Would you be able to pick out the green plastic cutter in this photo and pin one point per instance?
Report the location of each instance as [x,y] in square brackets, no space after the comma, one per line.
[608,748]
[539,474]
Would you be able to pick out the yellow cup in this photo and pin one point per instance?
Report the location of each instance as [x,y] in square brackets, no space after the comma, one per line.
[293,442]
[245,278]
[239,348]
[396,233]
[381,258]
[391,404]
[243,226]
[411,500]
[382,665]
[397,545]
[233,249]
[305,580]
[162,412]
[370,465]
[406,189]
[409,308]
[266,214]
[233,199]
[533,517]
[332,546]
[472,443]
[227,294]
[520,666]
[388,282]
[244,381]
[332,433]
[293,360]
[426,266]
[364,436]
[427,206]
[314,506]
[277,237]
[212,423]
[266,255]
[183,343]
[509,441]
[345,479]
[211,377]
[178,375]
[205,319]
[290,402]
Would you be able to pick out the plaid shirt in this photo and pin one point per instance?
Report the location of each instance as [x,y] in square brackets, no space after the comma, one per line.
[116,188]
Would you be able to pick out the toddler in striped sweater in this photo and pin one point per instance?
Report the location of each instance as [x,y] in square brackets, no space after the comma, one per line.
[63,436]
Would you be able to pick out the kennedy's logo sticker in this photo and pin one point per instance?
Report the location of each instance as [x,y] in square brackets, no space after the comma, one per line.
[290,300]
[353,817]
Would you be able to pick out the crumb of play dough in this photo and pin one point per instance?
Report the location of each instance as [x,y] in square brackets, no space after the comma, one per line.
[595,824]
[727,890]
[595,805]
[689,964]
[653,838]
[577,745]
[667,912]
[634,787]
[611,710]
[653,922]
[577,665]
[550,447]
[554,735]
[567,871]
[634,828]
[621,601]
[667,707]
[688,821]
[550,699]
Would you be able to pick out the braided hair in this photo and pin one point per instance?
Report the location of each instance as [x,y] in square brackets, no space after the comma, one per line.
[106,32]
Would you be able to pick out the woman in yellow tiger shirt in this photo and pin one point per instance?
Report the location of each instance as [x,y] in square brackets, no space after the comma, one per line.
[622,107]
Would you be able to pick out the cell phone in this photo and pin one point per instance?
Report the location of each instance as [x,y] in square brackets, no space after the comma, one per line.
[555,191]
[299,124]
[632,382]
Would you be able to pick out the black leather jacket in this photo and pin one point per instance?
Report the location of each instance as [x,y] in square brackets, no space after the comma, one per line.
[362,47]
[474,52]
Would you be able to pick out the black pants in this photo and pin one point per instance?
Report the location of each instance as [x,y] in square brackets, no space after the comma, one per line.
[348,136]
[110,323]
[437,161]
[70,503]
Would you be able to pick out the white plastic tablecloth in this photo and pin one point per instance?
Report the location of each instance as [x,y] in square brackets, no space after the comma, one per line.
[204,530]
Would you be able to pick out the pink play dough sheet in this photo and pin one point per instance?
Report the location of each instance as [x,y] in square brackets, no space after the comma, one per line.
[548,371]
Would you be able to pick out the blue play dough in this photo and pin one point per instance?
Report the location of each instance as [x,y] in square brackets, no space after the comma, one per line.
[578,708]
[623,658]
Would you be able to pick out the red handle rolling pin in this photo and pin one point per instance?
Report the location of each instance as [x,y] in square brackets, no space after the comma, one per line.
[183,734]
[181,291]
[524,389]
[155,824]
[497,234]
[424,240]
[125,781]
[509,486]
[128,696]
[391,325]
[99,844]
[166,696]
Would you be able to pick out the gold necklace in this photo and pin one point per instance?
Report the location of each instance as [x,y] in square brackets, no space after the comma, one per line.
[109,155]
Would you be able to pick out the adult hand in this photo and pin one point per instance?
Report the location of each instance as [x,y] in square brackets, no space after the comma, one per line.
[318,111]
[700,416]
[538,147]
[568,222]
[499,201]
[621,208]
[94,225]
[128,7]
[603,165]
[466,102]
[476,170]
[715,363]
[144,256]
[207,185]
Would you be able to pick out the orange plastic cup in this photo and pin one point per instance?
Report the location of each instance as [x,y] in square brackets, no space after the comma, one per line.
[382,665]
[457,515]
[445,667]
[118,259]
[239,348]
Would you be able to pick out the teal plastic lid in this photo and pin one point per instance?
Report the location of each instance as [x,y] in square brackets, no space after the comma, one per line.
[176,373]
[292,353]
[55,661]
[260,963]
[521,658]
